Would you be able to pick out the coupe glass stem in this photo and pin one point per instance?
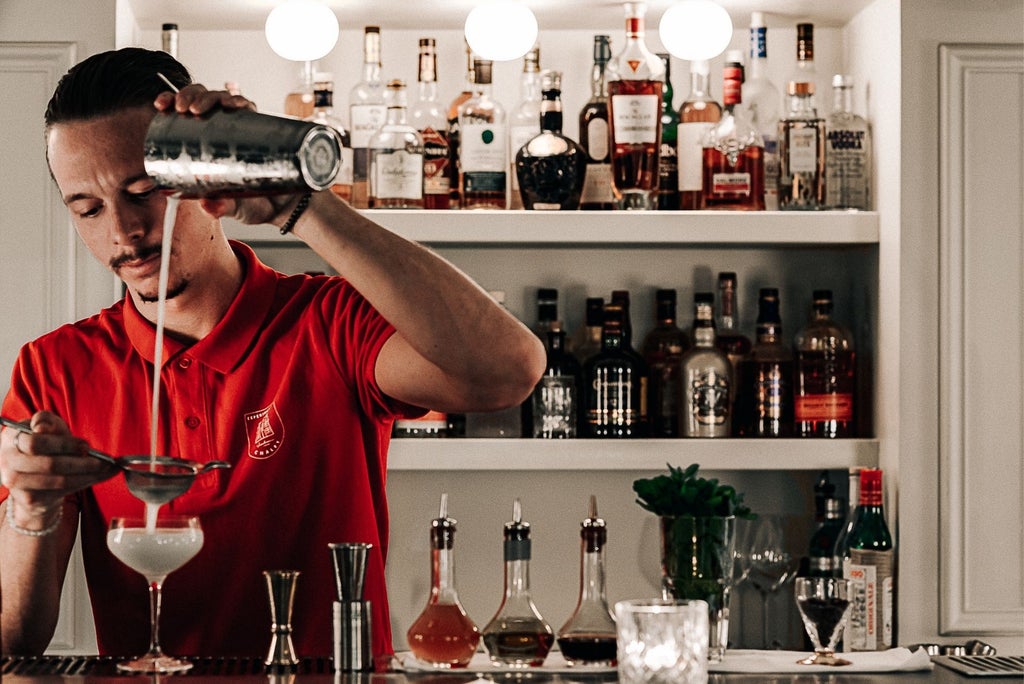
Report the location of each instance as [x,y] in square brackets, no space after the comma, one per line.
[155,594]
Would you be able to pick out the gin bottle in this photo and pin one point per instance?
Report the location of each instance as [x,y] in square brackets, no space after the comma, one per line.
[802,134]
[847,152]
[705,374]
[367,112]
[524,122]
[668,163]
[597,188]
[396,162]
[483,146]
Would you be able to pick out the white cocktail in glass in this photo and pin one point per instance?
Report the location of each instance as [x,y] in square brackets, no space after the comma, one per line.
[155,552]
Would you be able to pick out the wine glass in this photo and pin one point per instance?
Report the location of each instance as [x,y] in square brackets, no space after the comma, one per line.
[155,551]
[824,604]
[769,566]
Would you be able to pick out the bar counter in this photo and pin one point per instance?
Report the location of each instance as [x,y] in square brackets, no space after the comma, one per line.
[102,670]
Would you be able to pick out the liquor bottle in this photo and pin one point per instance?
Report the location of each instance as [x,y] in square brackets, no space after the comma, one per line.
[169,39]
[429,425]
[662,350]
[728,337]
[668,166]
[547,312]
[323,113]
[301,100]
[825,374]
[588,636]
[847,152]
[840,553]
[367,112]
[396,157]
[871,569]
[613,383]
[505,423]
[468,90]
[634,88]
[696,115]
[550,167]
[428,118]
[524,121]
[517,636]
[705,375]
[821,547]
[443,635]
[586,339]
[764,396]
[593,123]
[761,99]
[621,298]
[557,398]
[483,147]
[733,154]
[802,134]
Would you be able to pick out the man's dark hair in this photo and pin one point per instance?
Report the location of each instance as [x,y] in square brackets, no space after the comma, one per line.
[111,81]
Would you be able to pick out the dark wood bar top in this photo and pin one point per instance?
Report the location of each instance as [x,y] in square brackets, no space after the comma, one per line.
[100,670]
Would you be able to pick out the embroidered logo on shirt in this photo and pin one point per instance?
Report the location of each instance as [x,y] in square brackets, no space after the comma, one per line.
[265,432]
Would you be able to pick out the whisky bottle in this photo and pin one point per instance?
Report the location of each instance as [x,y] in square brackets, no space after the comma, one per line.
[483,147]
[698,111]
[556,400]
[593,123]
[367,112]
[668,166]
[323,113]
[705,375]
[802,135]
[396,157]
[588,637]
[550,167]
[517,636]
[621,298]
[662,350]
[613,383]
[468,90]
[762,100]
[634,112]
[764,397]
[524,122]
[443,635]
[871,569]
[733,154]
[847,152]
[428,118]
[586,339]
[728,336]
[547,312]
[825,374]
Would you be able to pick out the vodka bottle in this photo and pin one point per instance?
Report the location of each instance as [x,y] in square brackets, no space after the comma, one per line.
[847,151]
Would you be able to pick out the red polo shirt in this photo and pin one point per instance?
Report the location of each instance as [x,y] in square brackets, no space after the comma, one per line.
[284,389]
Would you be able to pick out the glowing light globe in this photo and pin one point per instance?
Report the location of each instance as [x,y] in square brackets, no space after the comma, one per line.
[302,30]
[695,29]
[501,30]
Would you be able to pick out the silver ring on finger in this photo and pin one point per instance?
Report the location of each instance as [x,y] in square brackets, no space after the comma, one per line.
[17,444]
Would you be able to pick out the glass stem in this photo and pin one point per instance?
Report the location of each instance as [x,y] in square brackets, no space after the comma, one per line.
[764,619]
[155,593]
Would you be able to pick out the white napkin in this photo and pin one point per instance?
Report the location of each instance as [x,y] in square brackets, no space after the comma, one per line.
[892,660]
[481,662]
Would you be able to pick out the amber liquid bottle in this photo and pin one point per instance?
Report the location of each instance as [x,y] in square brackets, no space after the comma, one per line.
[825,375]
[597,188]
[728,337]
[428,118]
[662,349]
[696,115]
[733,155]
[443,635]
[764,401]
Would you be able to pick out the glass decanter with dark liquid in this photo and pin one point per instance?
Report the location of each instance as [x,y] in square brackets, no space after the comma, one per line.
[443,635]
[517,635]
[588,636]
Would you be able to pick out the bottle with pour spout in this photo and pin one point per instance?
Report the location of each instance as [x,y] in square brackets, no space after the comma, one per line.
[517,636]
[443,635]
[588,636]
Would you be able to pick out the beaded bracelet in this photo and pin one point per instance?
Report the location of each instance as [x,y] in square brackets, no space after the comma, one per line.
[49,529]
[296,213]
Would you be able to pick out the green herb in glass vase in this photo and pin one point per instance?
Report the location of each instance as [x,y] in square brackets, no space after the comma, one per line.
[698,525]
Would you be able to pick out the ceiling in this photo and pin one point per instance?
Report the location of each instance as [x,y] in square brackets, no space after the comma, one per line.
[440,14]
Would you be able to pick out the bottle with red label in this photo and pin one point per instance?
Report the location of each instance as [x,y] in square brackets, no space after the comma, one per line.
[825,374]
[733,161]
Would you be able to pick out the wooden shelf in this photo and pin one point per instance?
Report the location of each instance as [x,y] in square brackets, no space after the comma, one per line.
[410,454]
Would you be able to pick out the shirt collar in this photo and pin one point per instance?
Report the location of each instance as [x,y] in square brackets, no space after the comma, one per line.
[225,346]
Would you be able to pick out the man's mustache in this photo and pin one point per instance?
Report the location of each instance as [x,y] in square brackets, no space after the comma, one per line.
[137,255]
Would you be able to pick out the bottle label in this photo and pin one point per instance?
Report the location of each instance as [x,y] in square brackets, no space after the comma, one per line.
[597,140]
[365,120]
[803,149]
[759,42]
[730,184]
[707,402]
[483,148]
[846,170]
[870,626]
[820,407]
[771,172]
[690,157]
[436,179]
[636,119]
[613,398]
[597,185]
[397,175]
[554,407]
[432,424]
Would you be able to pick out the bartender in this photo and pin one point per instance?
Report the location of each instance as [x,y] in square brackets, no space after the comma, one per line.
[295,380]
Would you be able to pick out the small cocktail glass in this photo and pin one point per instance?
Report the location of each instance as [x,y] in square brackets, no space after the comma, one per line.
[155,552]
[824,604]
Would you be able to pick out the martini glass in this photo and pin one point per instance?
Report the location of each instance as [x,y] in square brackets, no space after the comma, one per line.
[155,552]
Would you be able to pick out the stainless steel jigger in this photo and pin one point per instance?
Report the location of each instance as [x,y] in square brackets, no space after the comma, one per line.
[281,592]
[352,618]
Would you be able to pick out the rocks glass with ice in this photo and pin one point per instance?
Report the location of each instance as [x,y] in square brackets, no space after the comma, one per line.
[155,551]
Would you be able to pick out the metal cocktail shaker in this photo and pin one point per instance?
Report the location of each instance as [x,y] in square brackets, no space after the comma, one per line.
[240,153]
[352,619]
